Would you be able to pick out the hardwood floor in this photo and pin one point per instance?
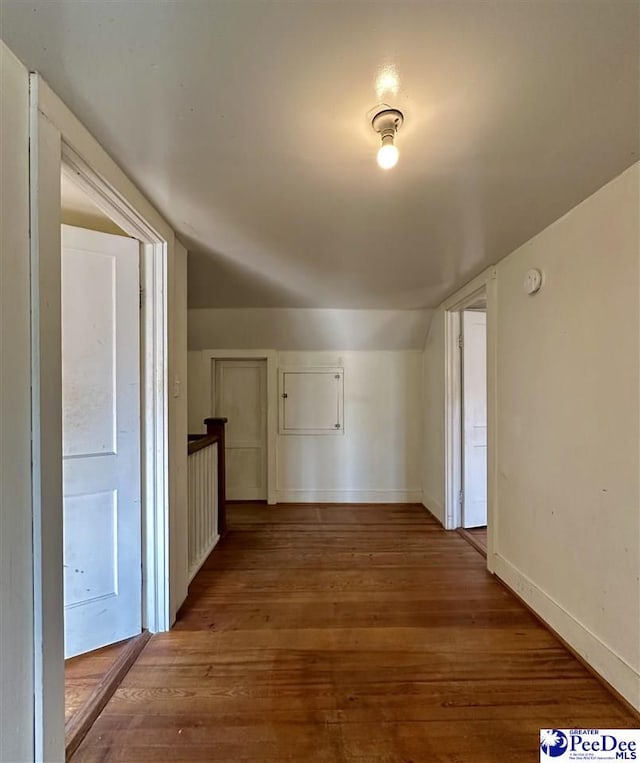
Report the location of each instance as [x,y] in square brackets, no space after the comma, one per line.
[82,675]
[90,681]
[477,536]
[347,633]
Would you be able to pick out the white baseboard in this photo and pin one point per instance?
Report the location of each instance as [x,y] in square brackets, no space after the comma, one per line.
[435,508]
[349,496]
[614,669]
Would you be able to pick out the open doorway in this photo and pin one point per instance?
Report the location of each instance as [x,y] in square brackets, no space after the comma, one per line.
[473,362]
[469,413]
[101,449]
[60,144]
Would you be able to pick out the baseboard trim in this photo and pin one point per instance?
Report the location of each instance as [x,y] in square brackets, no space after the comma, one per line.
[78,727]
[613,671]
[349,496]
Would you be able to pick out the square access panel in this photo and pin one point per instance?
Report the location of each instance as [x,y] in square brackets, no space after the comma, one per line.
[311,400]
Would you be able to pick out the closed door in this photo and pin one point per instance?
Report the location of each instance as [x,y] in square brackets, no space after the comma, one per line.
[474,367]
[241,397]
[101,439]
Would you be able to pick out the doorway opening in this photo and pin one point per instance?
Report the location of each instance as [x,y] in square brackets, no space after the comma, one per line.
[468,405]
[473,416]
[101,453]
[59,144]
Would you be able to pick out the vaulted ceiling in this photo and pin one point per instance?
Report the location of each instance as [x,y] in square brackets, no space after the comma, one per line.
[246,123]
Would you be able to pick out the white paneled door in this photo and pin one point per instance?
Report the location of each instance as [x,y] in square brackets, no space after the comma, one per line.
[474,366]
[101,439]
[241,397]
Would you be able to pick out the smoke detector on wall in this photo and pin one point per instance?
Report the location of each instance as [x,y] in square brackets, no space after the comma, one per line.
[533,281]
[387,123]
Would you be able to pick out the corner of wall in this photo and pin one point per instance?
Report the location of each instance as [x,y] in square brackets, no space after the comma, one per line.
[434,507]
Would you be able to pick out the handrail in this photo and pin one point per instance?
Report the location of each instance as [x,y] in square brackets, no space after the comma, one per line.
[197,442]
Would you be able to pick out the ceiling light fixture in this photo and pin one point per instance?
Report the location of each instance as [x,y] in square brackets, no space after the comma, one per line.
[387,122]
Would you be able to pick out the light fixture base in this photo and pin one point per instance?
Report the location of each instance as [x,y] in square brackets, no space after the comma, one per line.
[387,121]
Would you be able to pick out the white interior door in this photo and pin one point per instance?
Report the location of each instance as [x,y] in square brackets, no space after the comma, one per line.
[241,396]
[101,439]
[474,392]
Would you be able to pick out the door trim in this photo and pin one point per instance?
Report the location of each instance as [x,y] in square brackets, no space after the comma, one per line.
[208,359]
[153,404]
[58,140]
[483,285]
[466,449]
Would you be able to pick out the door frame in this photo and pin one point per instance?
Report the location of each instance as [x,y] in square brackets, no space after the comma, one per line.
[270,356]
[482,286]
[153,385]
[463,405]
[59,142]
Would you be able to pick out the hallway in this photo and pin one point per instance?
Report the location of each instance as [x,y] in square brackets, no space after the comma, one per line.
[347,633]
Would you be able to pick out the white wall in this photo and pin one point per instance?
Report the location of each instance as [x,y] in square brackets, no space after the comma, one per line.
[378,456]
[568,383]
[16,581]
[568,386]
[199,392]
[178,479]
[307,329]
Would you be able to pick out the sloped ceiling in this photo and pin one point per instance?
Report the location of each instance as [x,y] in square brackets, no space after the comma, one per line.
[246,124]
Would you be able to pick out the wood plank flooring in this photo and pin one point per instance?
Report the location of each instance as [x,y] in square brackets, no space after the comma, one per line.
[477,536]
[97,675]
[82,675]
[347,633]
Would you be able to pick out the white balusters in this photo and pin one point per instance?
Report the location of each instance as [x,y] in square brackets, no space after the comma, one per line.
[203,505]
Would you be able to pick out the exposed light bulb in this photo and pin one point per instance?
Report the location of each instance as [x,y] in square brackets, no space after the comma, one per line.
[387,123]
[387,153]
